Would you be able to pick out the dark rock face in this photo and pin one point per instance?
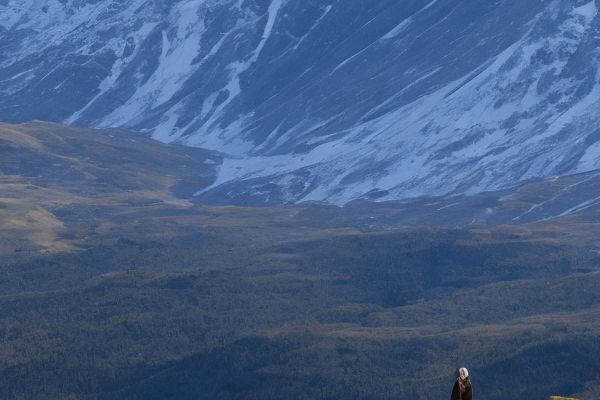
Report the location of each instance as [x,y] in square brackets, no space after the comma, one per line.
[322,100]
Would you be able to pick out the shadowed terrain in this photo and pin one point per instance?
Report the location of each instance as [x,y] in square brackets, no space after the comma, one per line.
[116,284]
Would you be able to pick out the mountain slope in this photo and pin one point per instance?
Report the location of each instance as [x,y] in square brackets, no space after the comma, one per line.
[318,100]
[52,174]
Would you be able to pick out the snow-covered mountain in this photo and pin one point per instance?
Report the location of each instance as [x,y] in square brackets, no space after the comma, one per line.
[322,99]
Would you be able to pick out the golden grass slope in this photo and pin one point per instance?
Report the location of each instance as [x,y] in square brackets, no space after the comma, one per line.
[48,170]
[34,227]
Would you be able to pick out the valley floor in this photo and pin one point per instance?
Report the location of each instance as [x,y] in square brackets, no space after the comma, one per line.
[115,284]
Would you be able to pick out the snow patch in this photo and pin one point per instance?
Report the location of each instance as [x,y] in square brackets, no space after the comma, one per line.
[588,11]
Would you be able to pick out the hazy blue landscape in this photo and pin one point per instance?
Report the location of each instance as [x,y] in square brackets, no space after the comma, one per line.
[266,199]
